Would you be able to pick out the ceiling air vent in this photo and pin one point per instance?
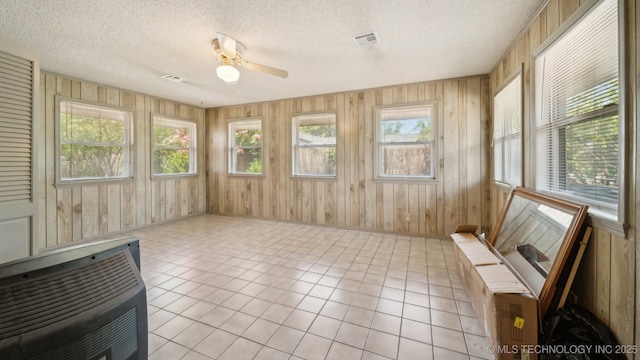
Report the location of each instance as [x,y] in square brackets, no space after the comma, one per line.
[366,39]
[173,78]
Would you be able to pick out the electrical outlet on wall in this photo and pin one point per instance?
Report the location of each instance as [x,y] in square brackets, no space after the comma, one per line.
[104,219]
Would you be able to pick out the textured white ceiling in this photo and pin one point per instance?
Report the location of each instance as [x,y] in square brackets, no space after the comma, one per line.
[130,44]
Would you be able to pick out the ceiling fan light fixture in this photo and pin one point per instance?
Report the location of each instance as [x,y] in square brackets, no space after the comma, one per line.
[228,73]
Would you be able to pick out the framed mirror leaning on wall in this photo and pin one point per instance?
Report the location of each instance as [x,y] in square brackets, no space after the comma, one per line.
[535,233]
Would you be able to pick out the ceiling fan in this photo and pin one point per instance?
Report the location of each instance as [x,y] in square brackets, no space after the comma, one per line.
[230,52]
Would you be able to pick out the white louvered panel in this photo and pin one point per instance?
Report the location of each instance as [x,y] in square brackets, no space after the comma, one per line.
[16,104]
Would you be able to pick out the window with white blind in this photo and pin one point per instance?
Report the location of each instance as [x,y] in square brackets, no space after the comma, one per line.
[314,145]
[174,146]
[94,141]
[578,142]
[507,133]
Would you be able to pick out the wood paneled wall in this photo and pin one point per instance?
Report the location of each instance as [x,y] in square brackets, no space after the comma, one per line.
[606,283]
[460,193]
[87,211]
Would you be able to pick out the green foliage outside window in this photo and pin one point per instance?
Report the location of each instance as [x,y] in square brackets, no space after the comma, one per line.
[171,150]
[248,150]
[591,145]
[91,147]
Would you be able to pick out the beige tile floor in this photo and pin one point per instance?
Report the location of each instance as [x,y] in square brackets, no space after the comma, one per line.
[238,288]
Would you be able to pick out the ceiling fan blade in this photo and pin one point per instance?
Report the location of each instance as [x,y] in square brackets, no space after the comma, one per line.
[227,45]
[264,69]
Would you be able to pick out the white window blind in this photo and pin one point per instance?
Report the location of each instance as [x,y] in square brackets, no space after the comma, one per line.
[578,147]
[507,133]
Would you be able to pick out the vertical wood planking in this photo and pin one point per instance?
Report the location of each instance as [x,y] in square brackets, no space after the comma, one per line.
[90,221]
[622,297]
[128,205]
[113,208]
[474,154]
[463,147]
[65,216]
[355,198]
[77,211]
[84,211]
[450,137]
[53,205]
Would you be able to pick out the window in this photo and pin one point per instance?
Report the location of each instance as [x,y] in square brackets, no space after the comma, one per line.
[314,145]
[245,147]
[174,146]
[405,141]
[94,141]
[578,144]
[507,133]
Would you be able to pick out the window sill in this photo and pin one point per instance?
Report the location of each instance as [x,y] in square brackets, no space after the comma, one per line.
[406,179]
[61,184]
[172,176]
[331,178]
[601,220]
[246,175]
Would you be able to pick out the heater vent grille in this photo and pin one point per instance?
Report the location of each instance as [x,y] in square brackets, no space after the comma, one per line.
[173,78]
[366,39]
[50,299]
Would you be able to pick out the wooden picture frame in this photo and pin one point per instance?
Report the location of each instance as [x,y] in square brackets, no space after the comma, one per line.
[535,233]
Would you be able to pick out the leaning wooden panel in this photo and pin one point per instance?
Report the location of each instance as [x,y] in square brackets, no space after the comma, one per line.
[584,284]
[603,275]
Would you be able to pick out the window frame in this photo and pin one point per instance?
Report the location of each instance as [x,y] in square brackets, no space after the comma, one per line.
[193,144]
[231,146]
[432,107]
[615,223]
[295,146]
[128,146]
[516,80]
